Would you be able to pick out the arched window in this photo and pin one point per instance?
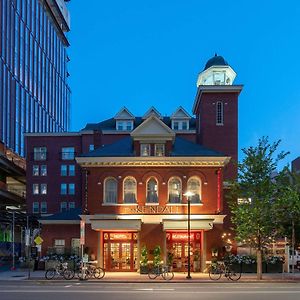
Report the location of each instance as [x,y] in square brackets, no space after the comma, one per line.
[219,113]
[152,190]
[129,190]
[194,186]
[174,190]
[110,190]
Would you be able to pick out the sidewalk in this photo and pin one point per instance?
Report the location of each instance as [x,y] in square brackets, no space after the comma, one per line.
[136,277]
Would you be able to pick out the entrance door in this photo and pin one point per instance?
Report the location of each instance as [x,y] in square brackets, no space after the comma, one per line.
[120,257]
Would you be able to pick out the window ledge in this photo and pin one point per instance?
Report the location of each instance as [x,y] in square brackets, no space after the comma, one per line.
[151,204]
[119,204]
[184,204]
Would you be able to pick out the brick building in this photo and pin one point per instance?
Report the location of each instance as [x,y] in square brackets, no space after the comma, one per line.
[126,177]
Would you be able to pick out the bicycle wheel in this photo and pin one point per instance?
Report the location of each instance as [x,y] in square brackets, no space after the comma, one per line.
[83,274]
[152,274]
[50,273]
[99,273]
[233,275]
[68,274]
[214,273]
[167,274]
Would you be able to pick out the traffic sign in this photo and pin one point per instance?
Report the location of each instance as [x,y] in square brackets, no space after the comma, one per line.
[38,240]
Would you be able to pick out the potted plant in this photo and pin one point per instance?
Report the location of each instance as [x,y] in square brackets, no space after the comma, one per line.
[196,261]
[144,261]
[157,256]
[170,258]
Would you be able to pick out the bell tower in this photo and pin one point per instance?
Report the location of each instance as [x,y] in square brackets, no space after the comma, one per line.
[216,110]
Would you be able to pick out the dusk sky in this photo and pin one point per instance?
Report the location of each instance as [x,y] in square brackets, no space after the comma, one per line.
[146,53]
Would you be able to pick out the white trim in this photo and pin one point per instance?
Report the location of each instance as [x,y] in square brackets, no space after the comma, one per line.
[59,133]
[151,111]
[104,188]
[117,116]
[68,222]
[129,177]
[173,115]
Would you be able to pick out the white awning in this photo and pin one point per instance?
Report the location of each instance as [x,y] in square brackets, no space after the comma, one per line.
[183,224]
[116,225]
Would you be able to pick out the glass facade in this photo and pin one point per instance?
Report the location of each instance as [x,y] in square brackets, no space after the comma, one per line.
[34,93]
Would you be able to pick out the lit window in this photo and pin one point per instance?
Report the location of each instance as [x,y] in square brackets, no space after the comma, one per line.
[43,207]
[219,113]
[68,153]
[43,188]
[35,170]
[91,147]
[63,189]
[63,170]
[152,191]
[71,170]
[35,189]
[63,206]
[71,205]
[145,149]
[71,188]
[110,190]
[43,170]
[194,186]
[159,150]
[35,207]
[39,153]
[175,190]
[129,190]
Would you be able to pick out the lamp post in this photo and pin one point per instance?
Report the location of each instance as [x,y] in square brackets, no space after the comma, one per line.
[189,194]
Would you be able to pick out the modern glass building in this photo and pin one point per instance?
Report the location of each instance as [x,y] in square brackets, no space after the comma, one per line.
[34,92]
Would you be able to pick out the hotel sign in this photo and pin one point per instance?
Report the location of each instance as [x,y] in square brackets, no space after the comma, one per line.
[153,209]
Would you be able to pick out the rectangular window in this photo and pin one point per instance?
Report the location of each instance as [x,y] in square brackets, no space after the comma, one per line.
[63,206]
[35,207]
[219,113]
[175,125]
[68,153]
[43,207]
[128,125]
[159,150]
[71,205]
[71,188]
[43,170]
[145,149]
[44,188]
[35,170]
[35,189]
[184,125]
[71,170]
[39,153]
[59,243]
[91,147]
[63,189]
[63,170]
[119,125]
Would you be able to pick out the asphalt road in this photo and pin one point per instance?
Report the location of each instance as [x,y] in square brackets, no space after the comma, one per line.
[55,290]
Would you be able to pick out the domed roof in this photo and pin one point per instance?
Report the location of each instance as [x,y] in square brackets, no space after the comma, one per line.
[217,60]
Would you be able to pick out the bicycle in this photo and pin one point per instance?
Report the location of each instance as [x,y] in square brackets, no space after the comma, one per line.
[218,269]
[89,270]
[61,269]
[164,271]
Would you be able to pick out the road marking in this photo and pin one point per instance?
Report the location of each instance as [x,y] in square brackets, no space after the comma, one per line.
[154,289]
[67,286]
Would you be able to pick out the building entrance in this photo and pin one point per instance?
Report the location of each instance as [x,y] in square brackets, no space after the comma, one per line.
[120,251]
[177,246]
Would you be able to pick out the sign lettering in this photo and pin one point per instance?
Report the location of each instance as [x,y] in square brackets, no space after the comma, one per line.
[152,209]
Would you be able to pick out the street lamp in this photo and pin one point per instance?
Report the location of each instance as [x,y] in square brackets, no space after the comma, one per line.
[189,194]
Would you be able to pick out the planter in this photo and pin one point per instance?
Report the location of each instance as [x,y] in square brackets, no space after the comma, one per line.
[26,265]
[144,269]
[51,264]
[252,268]
[41,265]
[236,267]
[196,266]
[274,268]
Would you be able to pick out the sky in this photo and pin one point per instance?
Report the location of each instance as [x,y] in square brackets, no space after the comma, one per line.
[147,53]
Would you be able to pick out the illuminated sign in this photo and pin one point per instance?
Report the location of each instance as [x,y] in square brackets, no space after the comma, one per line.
[182,236]
[120,236]
[153,209]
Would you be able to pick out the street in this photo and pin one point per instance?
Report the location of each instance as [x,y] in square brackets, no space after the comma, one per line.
[58,290]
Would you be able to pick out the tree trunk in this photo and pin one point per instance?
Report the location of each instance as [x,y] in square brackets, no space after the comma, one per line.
[259,264]
[293,247]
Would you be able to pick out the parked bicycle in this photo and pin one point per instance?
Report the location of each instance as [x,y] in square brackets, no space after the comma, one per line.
[164,271]
[216,270]
[88,270]
[61,269]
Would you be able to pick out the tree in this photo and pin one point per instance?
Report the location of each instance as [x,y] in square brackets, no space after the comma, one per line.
[255,190]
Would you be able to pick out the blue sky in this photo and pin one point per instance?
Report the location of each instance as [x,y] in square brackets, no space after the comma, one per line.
[143,53]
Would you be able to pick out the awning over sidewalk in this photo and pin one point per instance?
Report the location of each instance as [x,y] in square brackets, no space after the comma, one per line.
[116,225]
[182,224]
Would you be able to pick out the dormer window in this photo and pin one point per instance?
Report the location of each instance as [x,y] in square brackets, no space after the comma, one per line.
[124,125]
[180,124]
[159,149]
[145,150]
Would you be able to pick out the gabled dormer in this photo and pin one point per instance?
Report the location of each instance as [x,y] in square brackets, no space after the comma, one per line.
[124,120]
[153,138]
[152,111]
[180,119]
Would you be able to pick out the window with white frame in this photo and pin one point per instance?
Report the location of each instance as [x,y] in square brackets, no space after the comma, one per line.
[175,190]
[145,150]
[110,190]
[180,124]
[219,113]
[129,190]
[35,207]
[152,190]
[68,153]
[35,170]
[35,189]
[44,188]
[43,207]
[43,170]
[40,153]
[159,149]
[194,186]
[124,125]
[59,243]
